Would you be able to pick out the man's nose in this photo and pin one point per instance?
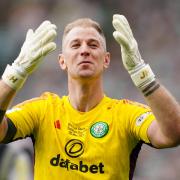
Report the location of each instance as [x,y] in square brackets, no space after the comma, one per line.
[84,50]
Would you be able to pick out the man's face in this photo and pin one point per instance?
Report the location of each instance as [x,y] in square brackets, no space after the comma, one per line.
[84,54]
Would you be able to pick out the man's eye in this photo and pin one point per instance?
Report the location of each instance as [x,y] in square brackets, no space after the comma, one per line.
[75,45]
[93,45]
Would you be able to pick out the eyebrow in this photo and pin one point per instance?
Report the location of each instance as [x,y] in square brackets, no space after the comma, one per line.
[89,40]
[94,40]
[76,40]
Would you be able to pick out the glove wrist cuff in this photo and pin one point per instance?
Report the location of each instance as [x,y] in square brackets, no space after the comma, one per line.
[12,78]
[142,76]
[150,88]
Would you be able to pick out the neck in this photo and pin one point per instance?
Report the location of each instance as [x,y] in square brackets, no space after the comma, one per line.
[85,96]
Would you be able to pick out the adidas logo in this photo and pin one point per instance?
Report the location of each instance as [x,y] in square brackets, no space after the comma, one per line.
[57,124]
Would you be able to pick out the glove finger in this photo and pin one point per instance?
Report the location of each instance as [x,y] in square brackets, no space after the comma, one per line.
[43,51]
[121,39]
[123,20]
[50,36]
[46,39]
[126,24]
[38,56]
[48,48]
[29,34]
[122,29]
[48,31]
[42,26]
[120,23]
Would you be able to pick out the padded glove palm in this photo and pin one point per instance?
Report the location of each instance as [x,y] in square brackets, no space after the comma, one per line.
[140,72]
[37,45]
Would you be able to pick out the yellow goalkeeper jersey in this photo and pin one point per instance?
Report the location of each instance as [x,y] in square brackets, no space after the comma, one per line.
[100,144]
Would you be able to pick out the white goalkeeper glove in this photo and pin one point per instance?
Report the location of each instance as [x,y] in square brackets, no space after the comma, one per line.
[37,45]
[141,73]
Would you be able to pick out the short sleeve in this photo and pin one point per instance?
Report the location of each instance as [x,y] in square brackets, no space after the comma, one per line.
[27,116]
[139,119]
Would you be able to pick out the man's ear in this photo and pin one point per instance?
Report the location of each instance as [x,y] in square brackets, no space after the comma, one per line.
[62,62]
[107,60]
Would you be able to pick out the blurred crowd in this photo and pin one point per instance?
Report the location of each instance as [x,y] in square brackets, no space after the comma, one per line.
[156,26]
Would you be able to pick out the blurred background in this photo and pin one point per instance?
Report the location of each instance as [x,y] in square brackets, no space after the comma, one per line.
[156,27]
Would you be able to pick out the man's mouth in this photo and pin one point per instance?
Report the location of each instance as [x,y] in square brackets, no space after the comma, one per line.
[85,62]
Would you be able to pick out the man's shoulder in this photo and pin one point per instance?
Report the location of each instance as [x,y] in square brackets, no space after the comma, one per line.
[134,103]
[46,95]
[43,98]
[126,103]
[51,97]
[119,101]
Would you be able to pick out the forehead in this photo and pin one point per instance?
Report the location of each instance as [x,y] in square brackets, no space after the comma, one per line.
[83,33]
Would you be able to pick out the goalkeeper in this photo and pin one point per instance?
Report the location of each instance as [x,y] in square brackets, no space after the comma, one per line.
[86,134]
